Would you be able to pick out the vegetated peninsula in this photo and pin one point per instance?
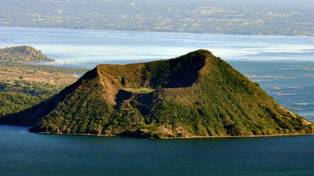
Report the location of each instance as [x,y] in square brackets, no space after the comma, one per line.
[22,54]
[195,95]
[23,85]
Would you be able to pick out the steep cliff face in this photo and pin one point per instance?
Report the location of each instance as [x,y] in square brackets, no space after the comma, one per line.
[197,94]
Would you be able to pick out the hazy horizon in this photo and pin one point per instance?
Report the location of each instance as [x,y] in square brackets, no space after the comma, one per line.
[270,17]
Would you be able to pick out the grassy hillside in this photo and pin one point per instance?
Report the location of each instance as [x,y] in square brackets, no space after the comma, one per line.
[194,95]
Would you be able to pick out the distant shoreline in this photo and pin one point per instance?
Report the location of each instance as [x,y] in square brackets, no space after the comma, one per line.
[157,31]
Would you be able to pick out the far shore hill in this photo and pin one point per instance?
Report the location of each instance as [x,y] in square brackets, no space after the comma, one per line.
[194,95]
[22,54]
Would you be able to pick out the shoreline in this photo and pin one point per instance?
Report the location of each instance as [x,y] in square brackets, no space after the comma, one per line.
[191,137]
[166,138]
[96,29]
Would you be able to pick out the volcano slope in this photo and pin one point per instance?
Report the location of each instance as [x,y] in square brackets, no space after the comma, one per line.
[195,95]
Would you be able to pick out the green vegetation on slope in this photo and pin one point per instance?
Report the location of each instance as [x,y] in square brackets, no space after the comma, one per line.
[193,95]
[88,112]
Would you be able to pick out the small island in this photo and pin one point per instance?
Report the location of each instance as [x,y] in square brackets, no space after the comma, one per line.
[195,95]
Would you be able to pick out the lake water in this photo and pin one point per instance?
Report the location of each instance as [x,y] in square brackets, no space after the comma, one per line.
[86,48]
[283,66]
[29,154]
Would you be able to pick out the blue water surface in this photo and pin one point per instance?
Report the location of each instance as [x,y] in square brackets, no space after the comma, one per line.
[24,153]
